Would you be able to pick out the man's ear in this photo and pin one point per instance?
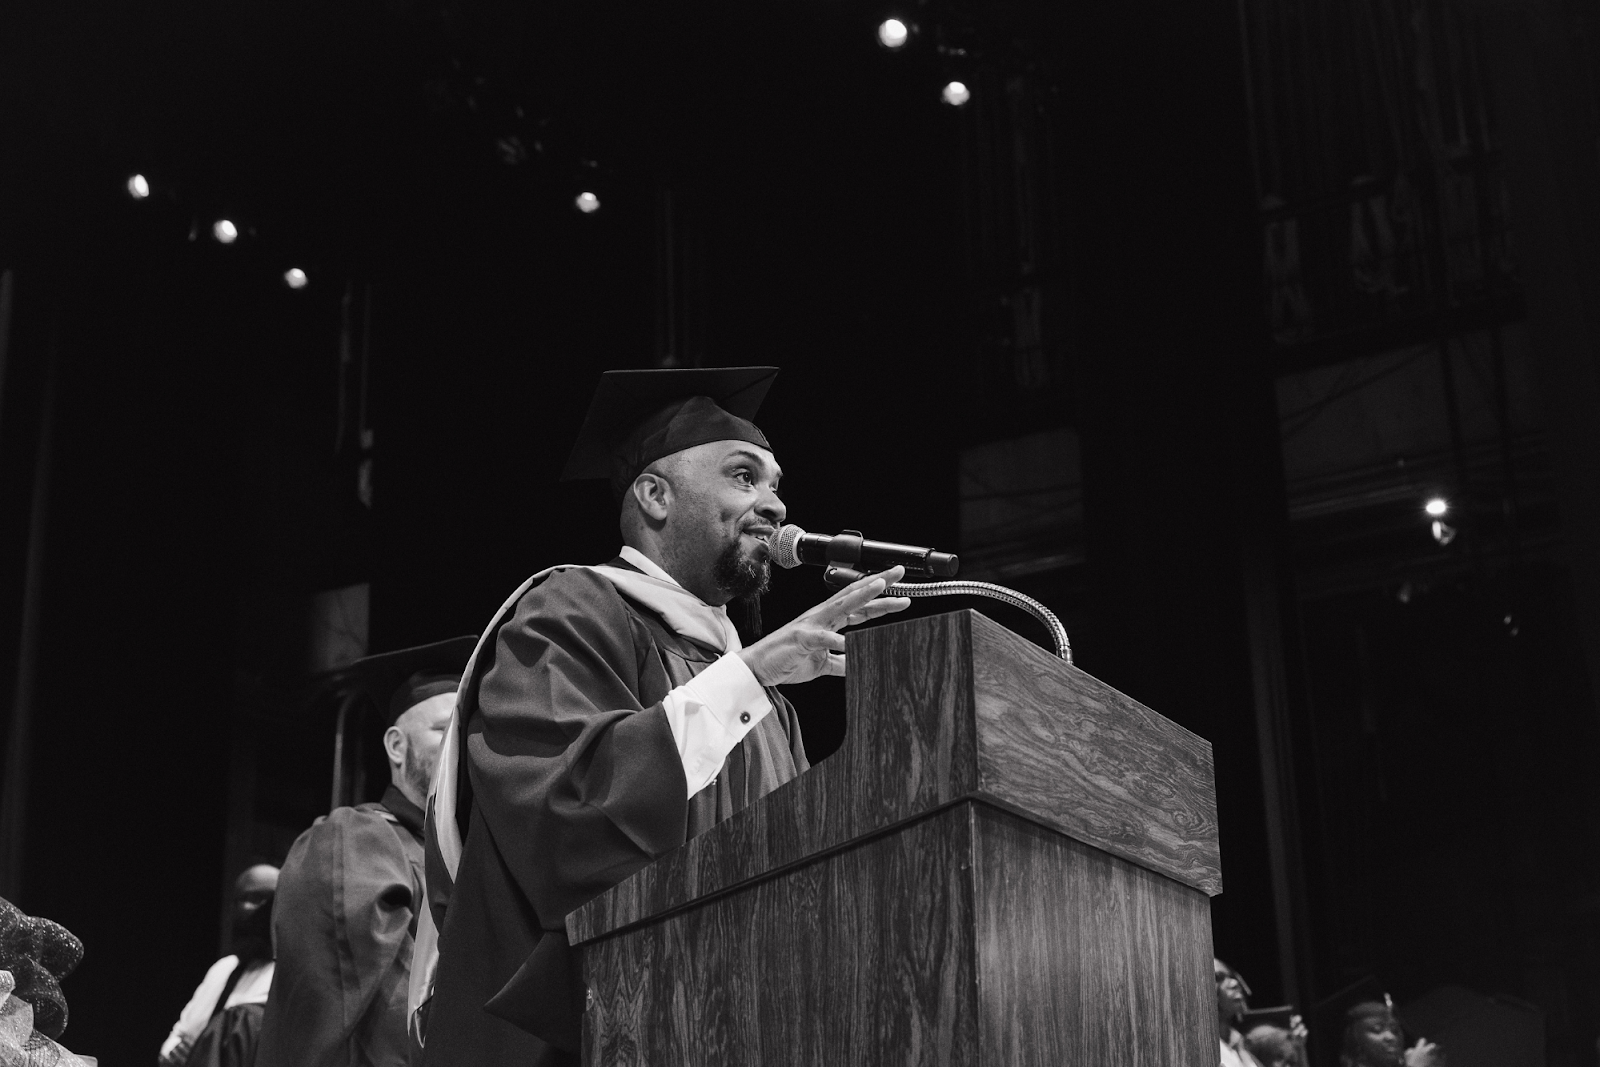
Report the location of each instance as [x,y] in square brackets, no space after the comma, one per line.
[653,494]
[394,745]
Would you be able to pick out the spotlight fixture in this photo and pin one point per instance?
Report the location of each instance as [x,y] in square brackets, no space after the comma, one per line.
[224,231]
[587,203]
[893,34]
[138,187]
[1436,507]
[295,278]
[955,94]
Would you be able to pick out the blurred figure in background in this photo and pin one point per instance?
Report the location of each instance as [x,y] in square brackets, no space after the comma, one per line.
[1373,1038]
[346,917]
[1231,1003]
[221,1024]
[1273,1046]
[1262,1043]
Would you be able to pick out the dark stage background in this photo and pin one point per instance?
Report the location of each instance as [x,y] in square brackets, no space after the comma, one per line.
[192,454]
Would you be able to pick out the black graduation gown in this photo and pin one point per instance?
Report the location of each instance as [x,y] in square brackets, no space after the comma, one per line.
[231,1036]
[343,925]
[571,781]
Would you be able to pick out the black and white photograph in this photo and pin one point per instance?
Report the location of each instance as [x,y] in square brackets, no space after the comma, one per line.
[819,533]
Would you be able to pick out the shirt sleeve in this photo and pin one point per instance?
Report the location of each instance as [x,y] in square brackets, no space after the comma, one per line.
[710,714]
[197,1012]
[253,986]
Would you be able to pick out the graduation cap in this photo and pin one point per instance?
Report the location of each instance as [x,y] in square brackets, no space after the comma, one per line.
[1333,1015]
[397,681]
[639,416]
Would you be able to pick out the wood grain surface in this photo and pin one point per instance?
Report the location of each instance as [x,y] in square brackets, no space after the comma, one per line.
[1060,746]
[864,957]
[969,938]
[940,709]
[1083,958]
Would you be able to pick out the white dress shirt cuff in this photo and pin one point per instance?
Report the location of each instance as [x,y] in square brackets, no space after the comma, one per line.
[710,714]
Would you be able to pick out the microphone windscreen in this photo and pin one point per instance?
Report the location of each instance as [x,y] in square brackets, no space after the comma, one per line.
[786,546]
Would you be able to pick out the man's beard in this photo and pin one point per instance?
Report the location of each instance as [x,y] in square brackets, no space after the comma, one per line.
[417,772]
[742,577]
[745,580]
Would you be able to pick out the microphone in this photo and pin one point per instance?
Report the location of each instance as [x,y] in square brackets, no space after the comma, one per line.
[793,546]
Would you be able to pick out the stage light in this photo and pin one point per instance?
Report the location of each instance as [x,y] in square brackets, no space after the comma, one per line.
[1436,507]
[295,278]
[1443,532]
[955,94]
[892,34]
[587,203]
[224,231]
[138,187]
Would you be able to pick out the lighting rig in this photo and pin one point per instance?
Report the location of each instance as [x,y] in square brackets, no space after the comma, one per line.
[899,33]
[503,131]
[517,136]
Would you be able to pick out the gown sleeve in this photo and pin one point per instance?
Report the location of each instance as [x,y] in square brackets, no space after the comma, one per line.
[579,782]
[341,919]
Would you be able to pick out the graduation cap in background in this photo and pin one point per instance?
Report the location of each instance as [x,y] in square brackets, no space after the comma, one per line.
[1332,1015]
[397,681]
[640,416]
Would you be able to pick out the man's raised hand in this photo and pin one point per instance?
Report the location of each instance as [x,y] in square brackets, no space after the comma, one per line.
[812,645]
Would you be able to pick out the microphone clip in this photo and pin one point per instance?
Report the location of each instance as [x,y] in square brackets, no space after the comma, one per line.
[844,552]
[837,577]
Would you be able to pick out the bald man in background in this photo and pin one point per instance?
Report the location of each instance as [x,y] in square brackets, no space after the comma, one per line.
[221,1024]
[345,920]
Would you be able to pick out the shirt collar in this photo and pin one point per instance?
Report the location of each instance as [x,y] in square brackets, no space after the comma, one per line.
[400,807]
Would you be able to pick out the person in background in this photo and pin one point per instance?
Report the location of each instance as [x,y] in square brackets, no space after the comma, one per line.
[1373,1037]
[1273,1046]
[221,1024]
[346,916]
[1231,1004]
[1265,1045]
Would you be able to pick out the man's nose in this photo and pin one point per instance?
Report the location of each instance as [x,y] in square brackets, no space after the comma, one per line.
[772,508]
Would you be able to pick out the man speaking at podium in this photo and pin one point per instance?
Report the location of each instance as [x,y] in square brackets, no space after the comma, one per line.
[610,712]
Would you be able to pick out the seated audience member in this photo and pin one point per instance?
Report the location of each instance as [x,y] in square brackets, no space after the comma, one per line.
[347,904]
[221,1024]
[1265,1045]
[1373,1037]
[1273,1046]
[1231,994]
[35,955]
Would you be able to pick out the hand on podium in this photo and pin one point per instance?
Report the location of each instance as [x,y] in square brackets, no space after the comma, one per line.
[811,645]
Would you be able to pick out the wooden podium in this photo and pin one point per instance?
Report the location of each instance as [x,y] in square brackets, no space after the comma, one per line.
[1007,862]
